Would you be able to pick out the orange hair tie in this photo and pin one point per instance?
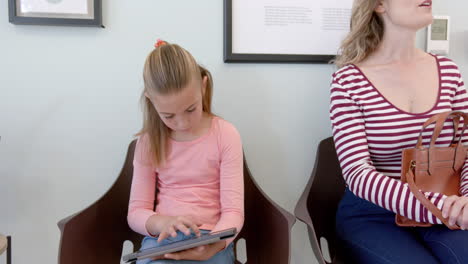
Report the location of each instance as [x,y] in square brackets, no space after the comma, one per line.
[159,43]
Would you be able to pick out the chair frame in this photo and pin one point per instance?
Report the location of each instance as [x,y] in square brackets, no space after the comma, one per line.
[326,186]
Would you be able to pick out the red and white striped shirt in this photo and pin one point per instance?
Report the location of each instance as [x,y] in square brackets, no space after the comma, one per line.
[370,134]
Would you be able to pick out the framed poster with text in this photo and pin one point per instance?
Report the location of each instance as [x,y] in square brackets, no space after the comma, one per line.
[308,31]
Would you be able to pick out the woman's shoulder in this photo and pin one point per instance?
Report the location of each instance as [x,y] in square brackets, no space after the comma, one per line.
[448,68]
[442,58]
[347,80]
[346,73]
[445,62]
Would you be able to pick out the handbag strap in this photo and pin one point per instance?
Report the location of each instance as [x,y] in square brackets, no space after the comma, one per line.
[426,202]
[439,120]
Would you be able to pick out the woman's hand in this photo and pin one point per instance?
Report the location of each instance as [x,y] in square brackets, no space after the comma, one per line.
[456,209]
[167,226]
[198,253]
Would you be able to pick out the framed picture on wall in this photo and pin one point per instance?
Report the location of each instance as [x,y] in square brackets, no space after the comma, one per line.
[56,12]
[302,31]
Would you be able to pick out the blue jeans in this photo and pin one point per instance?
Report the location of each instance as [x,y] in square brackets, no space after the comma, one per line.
[225,256]
[369,235]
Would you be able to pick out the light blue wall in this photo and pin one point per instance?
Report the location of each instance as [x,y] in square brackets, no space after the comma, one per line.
[69,107]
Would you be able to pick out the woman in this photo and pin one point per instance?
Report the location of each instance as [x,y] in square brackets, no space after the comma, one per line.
[381,95]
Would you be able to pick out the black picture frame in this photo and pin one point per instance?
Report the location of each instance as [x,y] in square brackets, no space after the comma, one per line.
[230,57]
[96,20]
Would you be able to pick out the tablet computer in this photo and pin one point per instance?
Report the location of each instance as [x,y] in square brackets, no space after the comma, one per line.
[181,245]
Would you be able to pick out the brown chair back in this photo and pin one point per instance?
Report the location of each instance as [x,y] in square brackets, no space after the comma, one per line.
[97,233]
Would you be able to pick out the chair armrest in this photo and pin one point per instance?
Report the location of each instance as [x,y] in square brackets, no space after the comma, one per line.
[61,224]
[99,227]
[302,211]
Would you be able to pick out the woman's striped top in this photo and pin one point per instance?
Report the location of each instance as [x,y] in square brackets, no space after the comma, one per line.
[370,133]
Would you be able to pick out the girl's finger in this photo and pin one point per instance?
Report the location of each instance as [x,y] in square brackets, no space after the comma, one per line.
[200,248]
[163,235]
[172,231]
[184,229]
[174,256]
[193,226]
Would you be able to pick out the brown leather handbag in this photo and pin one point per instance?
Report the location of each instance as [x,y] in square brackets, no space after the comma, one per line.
[434,169]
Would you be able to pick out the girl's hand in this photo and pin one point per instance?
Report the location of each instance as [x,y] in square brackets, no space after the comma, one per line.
[456,209]
[198,253]
[168,225]
[174,223]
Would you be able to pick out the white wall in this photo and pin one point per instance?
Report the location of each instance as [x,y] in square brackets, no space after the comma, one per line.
[69,107]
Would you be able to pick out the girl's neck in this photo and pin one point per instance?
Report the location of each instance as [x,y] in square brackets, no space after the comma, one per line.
[202,128]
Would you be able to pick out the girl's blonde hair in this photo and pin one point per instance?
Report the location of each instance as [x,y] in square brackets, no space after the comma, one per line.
[168,69]
[366,33]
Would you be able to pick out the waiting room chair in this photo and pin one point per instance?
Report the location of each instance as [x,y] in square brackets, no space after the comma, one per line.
[96,234]
[319,202]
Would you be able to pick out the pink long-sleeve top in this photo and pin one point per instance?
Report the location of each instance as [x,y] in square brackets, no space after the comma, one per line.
[370,133]
[202,178]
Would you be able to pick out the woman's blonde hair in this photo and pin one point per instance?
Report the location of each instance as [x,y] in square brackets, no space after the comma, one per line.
[168,69]
[366,33]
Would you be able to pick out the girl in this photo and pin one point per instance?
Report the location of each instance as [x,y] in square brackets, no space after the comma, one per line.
[383,92]
[190,156]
